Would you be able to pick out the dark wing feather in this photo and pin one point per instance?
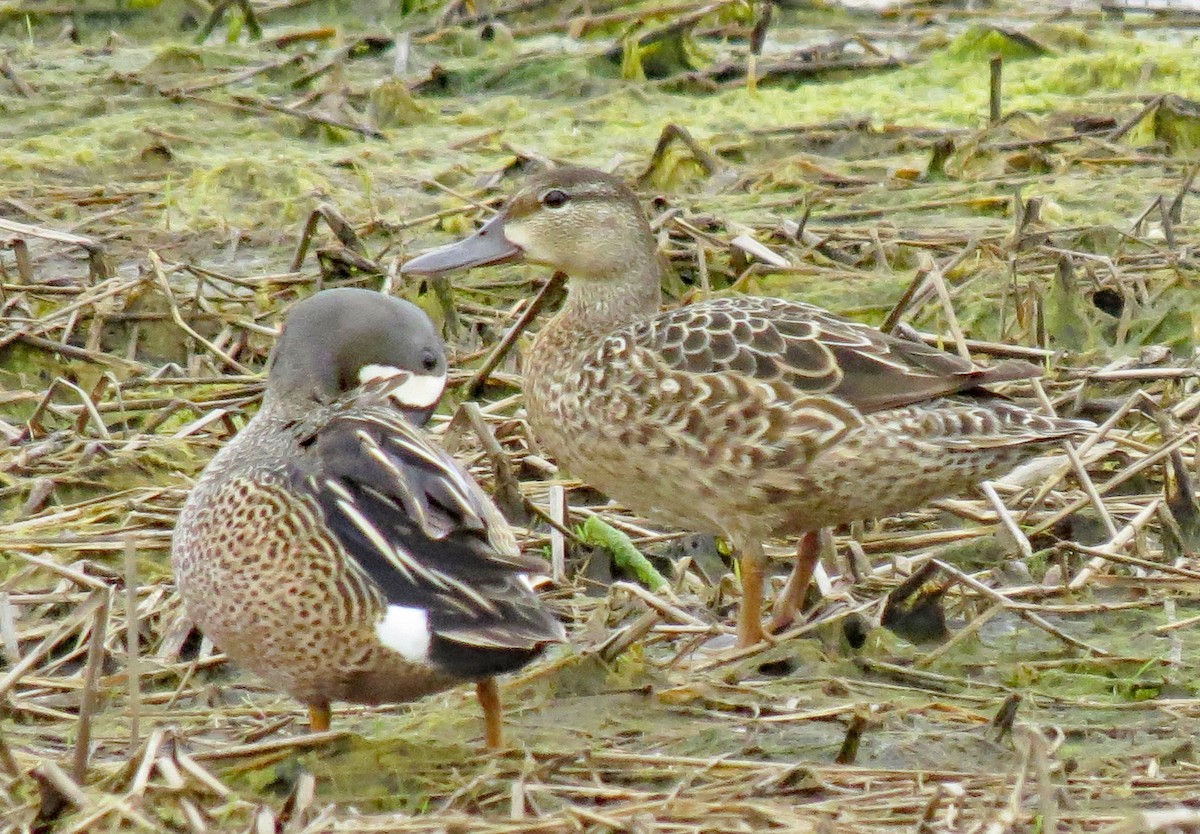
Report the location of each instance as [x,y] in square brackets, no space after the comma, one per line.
[427,535]
[810,350]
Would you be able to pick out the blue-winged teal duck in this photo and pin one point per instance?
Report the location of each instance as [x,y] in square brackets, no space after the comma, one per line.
[333,550]
[742,416]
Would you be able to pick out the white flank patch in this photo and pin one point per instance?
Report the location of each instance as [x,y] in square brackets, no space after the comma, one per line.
[406,630]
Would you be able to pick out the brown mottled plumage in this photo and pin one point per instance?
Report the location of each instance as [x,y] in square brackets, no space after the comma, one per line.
[748,417]
[332,549]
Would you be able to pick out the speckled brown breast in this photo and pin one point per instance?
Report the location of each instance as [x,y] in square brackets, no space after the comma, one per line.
[601,433]
[266,587]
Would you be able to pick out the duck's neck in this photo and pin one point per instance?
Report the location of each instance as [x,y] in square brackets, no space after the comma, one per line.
[604,304]
[277,411]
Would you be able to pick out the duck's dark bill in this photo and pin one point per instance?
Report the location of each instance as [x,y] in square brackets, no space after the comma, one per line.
[486,246]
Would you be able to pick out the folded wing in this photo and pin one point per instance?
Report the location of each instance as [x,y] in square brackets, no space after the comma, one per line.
[426,534]
[807,350]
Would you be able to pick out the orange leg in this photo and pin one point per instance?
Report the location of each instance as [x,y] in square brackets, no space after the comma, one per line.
[319,716]
[791,599]
[750,629]
[493,718]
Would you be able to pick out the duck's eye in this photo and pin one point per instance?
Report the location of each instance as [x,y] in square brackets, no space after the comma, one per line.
[555,198]
[429,361]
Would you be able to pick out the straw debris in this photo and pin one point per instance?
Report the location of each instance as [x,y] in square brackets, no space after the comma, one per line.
[164,202]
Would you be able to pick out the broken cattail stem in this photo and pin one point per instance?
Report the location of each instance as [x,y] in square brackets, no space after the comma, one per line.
[67,789]
[702,270]
[197,771]
[735,655]
[1168,225]
[8,630]
[141,777]
[132,659]
[1109,555]
[854,733]
[267,748]
[962,634]
[995,107]
[906,298]
[160,276]
[91,683]
[507,486]
[1007,521]
[1085,479]
[531,312]
[1133,121]
[1138,228]
[22,86]
[306,235]
[1112,483]
[8,762]
[24,262]
[939,283]
[667,609]
[1041,753]
[1174,212]
[762,22]
[931,810]
[616,645]
[557,499]
[1002,722]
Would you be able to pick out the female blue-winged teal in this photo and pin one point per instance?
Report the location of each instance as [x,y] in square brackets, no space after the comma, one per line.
[748,417]
[335,552]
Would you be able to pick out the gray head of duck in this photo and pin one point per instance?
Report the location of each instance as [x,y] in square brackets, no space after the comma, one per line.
[580,221]
[342,339]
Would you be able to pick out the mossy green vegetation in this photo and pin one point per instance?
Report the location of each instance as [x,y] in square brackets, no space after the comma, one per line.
[98,127]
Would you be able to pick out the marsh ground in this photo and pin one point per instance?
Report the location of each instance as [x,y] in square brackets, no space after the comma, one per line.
[155,203]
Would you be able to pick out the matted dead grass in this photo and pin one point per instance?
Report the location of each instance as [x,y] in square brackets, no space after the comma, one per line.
[1047,677]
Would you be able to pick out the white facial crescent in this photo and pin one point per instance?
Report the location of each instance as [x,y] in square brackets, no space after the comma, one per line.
[417,391]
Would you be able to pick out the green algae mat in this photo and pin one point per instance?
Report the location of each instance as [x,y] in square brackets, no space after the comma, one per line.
[1012,179]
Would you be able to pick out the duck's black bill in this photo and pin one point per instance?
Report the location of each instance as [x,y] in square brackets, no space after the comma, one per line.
[486,246]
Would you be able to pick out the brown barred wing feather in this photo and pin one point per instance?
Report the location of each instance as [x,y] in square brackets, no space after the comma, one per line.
[810,351]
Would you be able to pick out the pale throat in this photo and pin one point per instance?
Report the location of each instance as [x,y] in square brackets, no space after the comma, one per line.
[630,294]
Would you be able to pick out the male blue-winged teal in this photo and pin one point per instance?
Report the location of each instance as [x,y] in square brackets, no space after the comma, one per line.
[333,550]
[747,417]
